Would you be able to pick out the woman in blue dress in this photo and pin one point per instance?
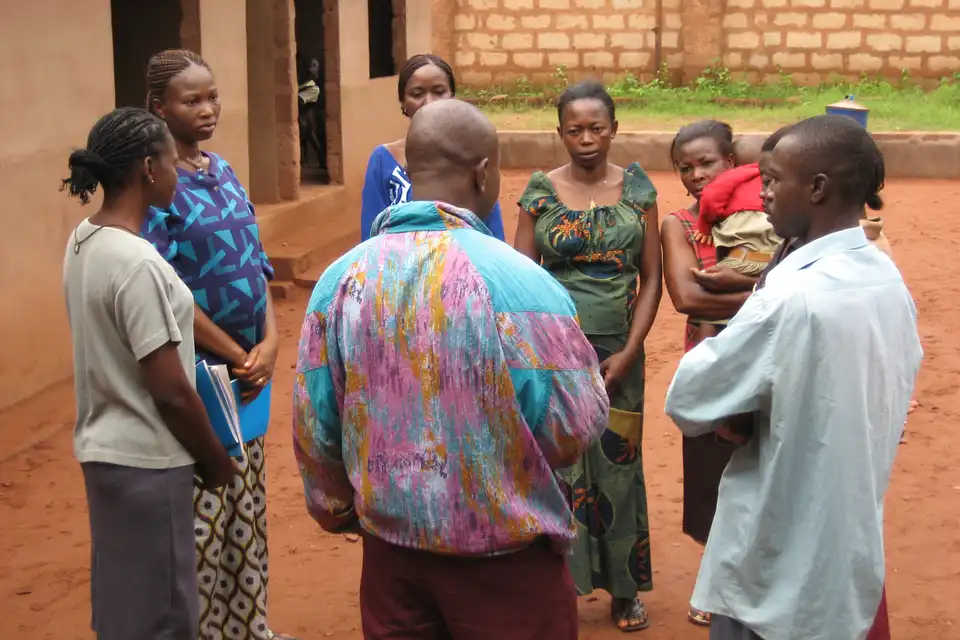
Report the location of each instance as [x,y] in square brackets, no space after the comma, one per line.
[210,236]
[423,79]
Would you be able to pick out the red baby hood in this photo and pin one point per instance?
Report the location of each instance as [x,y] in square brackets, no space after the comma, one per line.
[735,190]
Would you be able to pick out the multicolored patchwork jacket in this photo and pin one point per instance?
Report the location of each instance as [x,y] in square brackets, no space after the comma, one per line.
[442,378]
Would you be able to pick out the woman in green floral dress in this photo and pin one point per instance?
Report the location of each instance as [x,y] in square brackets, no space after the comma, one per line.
[593,225]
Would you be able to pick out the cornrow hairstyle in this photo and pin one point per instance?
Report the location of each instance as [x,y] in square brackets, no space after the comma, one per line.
[719,132]
[417,62]
[586,90]
[839,147]
[116,143]
[164,67]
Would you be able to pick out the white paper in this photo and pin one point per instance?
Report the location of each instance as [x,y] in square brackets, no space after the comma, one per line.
[227,400]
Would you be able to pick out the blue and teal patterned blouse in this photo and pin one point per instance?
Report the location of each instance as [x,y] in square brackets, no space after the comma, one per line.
[210,236]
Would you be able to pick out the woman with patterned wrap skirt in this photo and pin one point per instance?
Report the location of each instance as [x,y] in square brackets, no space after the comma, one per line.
[210,236]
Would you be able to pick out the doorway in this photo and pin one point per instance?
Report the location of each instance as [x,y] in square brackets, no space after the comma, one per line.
[140,29]
[311,64]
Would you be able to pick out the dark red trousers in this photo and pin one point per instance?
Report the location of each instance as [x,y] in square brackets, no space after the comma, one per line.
[413,595]
[881,624]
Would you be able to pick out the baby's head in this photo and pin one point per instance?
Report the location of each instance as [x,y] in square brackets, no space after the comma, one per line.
[746,150]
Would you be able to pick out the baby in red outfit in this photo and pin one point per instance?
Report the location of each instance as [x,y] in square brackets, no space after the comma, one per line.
[732,217]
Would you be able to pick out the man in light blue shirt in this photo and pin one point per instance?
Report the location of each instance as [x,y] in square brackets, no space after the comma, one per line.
[824,357]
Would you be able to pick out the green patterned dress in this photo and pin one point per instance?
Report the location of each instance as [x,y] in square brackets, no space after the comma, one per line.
[595,254]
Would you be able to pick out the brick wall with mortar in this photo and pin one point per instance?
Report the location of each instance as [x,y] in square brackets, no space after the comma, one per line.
[817,39]
[498,41]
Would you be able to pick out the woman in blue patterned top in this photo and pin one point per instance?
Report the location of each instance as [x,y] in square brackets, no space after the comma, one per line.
[210,236]
[423,79]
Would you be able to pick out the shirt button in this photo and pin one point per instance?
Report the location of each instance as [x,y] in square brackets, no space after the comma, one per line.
[215,188]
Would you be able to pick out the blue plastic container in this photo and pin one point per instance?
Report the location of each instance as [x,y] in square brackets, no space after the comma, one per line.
[847,107]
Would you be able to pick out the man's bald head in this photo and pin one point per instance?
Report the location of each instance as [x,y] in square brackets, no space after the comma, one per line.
[449,134]
[453,149]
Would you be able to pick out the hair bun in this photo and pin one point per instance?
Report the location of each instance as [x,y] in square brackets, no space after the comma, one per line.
[874,202]
[89,159]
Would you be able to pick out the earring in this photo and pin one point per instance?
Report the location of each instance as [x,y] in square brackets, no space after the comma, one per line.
[151,179]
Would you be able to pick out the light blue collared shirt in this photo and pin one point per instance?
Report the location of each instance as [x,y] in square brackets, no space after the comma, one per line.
[826,355]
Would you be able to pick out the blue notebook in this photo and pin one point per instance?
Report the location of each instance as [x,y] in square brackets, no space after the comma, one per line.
[235,423]
[255,416]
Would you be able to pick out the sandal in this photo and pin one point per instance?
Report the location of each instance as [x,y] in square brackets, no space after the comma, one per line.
[699,618]
[629,615]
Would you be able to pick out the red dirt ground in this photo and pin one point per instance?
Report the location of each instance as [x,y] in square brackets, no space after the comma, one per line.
[44,579]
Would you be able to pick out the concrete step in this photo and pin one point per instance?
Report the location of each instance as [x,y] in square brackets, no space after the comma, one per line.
[323,257]
[314,230]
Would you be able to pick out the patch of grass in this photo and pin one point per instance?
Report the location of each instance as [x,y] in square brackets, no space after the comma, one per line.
[657,105]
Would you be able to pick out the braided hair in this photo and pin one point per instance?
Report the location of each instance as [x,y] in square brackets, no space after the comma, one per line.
[164,67]
[417,62]
[116,143]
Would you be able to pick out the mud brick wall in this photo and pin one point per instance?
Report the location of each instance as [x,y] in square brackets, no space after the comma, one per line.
[497,41]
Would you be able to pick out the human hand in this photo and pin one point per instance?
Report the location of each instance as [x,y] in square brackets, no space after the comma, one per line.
[722,279]
[737,429]
[219,474]
[258,369]
[703,238]
[616,367]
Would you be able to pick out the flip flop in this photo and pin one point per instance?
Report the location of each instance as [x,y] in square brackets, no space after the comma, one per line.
[623,612]
[699,618]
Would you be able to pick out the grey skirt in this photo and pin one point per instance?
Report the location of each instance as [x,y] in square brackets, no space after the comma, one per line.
[143,571]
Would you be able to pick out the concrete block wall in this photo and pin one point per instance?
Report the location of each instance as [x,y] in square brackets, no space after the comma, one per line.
[817,39]
[498,41]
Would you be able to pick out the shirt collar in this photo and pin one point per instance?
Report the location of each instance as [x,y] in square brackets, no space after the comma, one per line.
[426,216]
[802,257]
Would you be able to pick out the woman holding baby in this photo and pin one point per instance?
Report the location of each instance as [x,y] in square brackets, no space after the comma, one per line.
[706,293]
